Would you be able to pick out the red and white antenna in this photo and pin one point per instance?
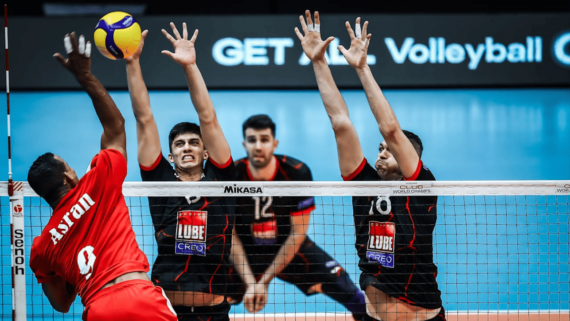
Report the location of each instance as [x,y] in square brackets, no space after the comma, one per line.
[10,183]
[16,193]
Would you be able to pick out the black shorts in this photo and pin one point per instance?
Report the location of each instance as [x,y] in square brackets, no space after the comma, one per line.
[310,266]
[429,300]
[214,313]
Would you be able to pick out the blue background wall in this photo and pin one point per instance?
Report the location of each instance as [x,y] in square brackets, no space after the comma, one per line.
[484,263]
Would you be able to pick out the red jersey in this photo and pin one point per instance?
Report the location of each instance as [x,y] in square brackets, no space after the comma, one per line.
[89,240]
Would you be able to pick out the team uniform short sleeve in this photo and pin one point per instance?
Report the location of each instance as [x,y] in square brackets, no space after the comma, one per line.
[159,171]
[364,172]
[110,165]
[39,266]
[305,204]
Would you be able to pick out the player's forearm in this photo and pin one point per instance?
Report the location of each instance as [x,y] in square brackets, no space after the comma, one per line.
[138,92]
[109,115]
[284,256]
[385,117]
[199,94]
[212,134]
[332,99]
[240,262]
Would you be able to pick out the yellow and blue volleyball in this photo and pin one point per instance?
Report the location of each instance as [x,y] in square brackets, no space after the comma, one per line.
[117,35]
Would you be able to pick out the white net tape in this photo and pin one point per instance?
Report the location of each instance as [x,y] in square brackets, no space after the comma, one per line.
[501,247]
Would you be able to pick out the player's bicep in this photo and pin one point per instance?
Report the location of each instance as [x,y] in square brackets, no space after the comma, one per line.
[215,142]
[350,154]
[148,141]
[404,153]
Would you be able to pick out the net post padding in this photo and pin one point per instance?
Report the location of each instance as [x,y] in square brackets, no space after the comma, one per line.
[18,252]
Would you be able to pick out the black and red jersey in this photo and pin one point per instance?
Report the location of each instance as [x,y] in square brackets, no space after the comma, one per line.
[263,223]
[193,234]
[394,240]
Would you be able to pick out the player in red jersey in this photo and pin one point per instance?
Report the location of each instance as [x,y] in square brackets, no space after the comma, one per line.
[88,247]
[394,234]
[191,267]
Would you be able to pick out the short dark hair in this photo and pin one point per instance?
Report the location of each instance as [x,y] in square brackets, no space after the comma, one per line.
[182,128]
[46,177]
[416,142]
[259,122]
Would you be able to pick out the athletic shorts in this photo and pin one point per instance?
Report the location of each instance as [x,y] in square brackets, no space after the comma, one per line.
[311,265]
[429,301]
[129,300]
[440,316]
[214,313]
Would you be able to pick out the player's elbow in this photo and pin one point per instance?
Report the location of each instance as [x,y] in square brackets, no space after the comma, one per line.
[340,123]
[389,130]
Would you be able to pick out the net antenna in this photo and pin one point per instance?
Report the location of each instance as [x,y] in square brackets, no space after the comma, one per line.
[16,194]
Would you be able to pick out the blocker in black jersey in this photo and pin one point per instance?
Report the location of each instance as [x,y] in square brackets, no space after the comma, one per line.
[194,234]
[263,224]
[394,237]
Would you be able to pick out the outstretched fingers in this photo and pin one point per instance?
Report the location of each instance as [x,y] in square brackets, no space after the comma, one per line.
[299,34]
[184,31]
[168,36]
[175,31]
[357,30]
[364,31]
[367,41]
[194,36]
[60,58]
[74,45]
[349,29]
[309,20]
[303,25]
[81,48]
[317,22]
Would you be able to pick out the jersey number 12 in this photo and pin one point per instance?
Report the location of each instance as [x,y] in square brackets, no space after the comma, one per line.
[267,203]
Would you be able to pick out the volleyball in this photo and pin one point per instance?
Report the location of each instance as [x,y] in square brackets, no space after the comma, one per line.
[117,35]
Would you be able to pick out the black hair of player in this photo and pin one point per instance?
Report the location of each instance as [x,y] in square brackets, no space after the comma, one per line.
[183,128]
[46,177]
[259,122]
[416,142]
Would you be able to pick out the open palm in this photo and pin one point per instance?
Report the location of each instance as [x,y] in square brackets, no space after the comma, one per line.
[313,46]
[356,54]
[184,50]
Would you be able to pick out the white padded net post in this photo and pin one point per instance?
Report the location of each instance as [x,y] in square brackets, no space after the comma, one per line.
[502,247]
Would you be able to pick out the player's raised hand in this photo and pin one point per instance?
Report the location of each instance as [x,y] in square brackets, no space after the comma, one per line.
[137,53]
[184,50]
[359,41]
[255,297]
[78,61]
[313,46]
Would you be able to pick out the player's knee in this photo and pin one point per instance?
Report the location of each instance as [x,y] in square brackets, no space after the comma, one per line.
[317,288]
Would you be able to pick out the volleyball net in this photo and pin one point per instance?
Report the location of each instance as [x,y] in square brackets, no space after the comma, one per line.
[502,248]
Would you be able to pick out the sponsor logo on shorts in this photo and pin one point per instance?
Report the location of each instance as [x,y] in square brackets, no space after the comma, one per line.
[381,239]
[191,233]
[330,264]
[265,233]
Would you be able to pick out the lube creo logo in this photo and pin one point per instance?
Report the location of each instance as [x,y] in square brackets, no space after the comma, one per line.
[439,51]
[561,49]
